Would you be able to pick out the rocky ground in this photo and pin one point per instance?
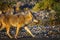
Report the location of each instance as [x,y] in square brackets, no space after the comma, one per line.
[37,31]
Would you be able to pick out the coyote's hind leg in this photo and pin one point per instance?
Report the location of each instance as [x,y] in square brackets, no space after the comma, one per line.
[8,29]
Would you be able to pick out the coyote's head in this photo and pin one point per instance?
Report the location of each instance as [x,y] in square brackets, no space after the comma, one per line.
[30,17]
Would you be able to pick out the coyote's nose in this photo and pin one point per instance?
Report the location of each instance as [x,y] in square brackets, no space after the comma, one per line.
[35,20]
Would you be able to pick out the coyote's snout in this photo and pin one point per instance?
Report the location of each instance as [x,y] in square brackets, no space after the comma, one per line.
[16,21]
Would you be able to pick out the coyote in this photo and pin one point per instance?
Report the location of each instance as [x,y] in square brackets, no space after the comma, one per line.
[18,21]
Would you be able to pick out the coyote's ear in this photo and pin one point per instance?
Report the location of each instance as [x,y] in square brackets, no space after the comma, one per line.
[29,13]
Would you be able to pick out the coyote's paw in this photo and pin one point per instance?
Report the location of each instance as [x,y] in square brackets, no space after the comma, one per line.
[11,37]
[33,35]
[15,37]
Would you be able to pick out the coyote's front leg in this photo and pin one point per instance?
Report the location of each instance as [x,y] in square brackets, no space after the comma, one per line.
[27,29]
[17,31]
[8,29]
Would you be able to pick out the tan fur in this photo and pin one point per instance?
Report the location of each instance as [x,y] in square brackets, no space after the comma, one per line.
[16,21]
